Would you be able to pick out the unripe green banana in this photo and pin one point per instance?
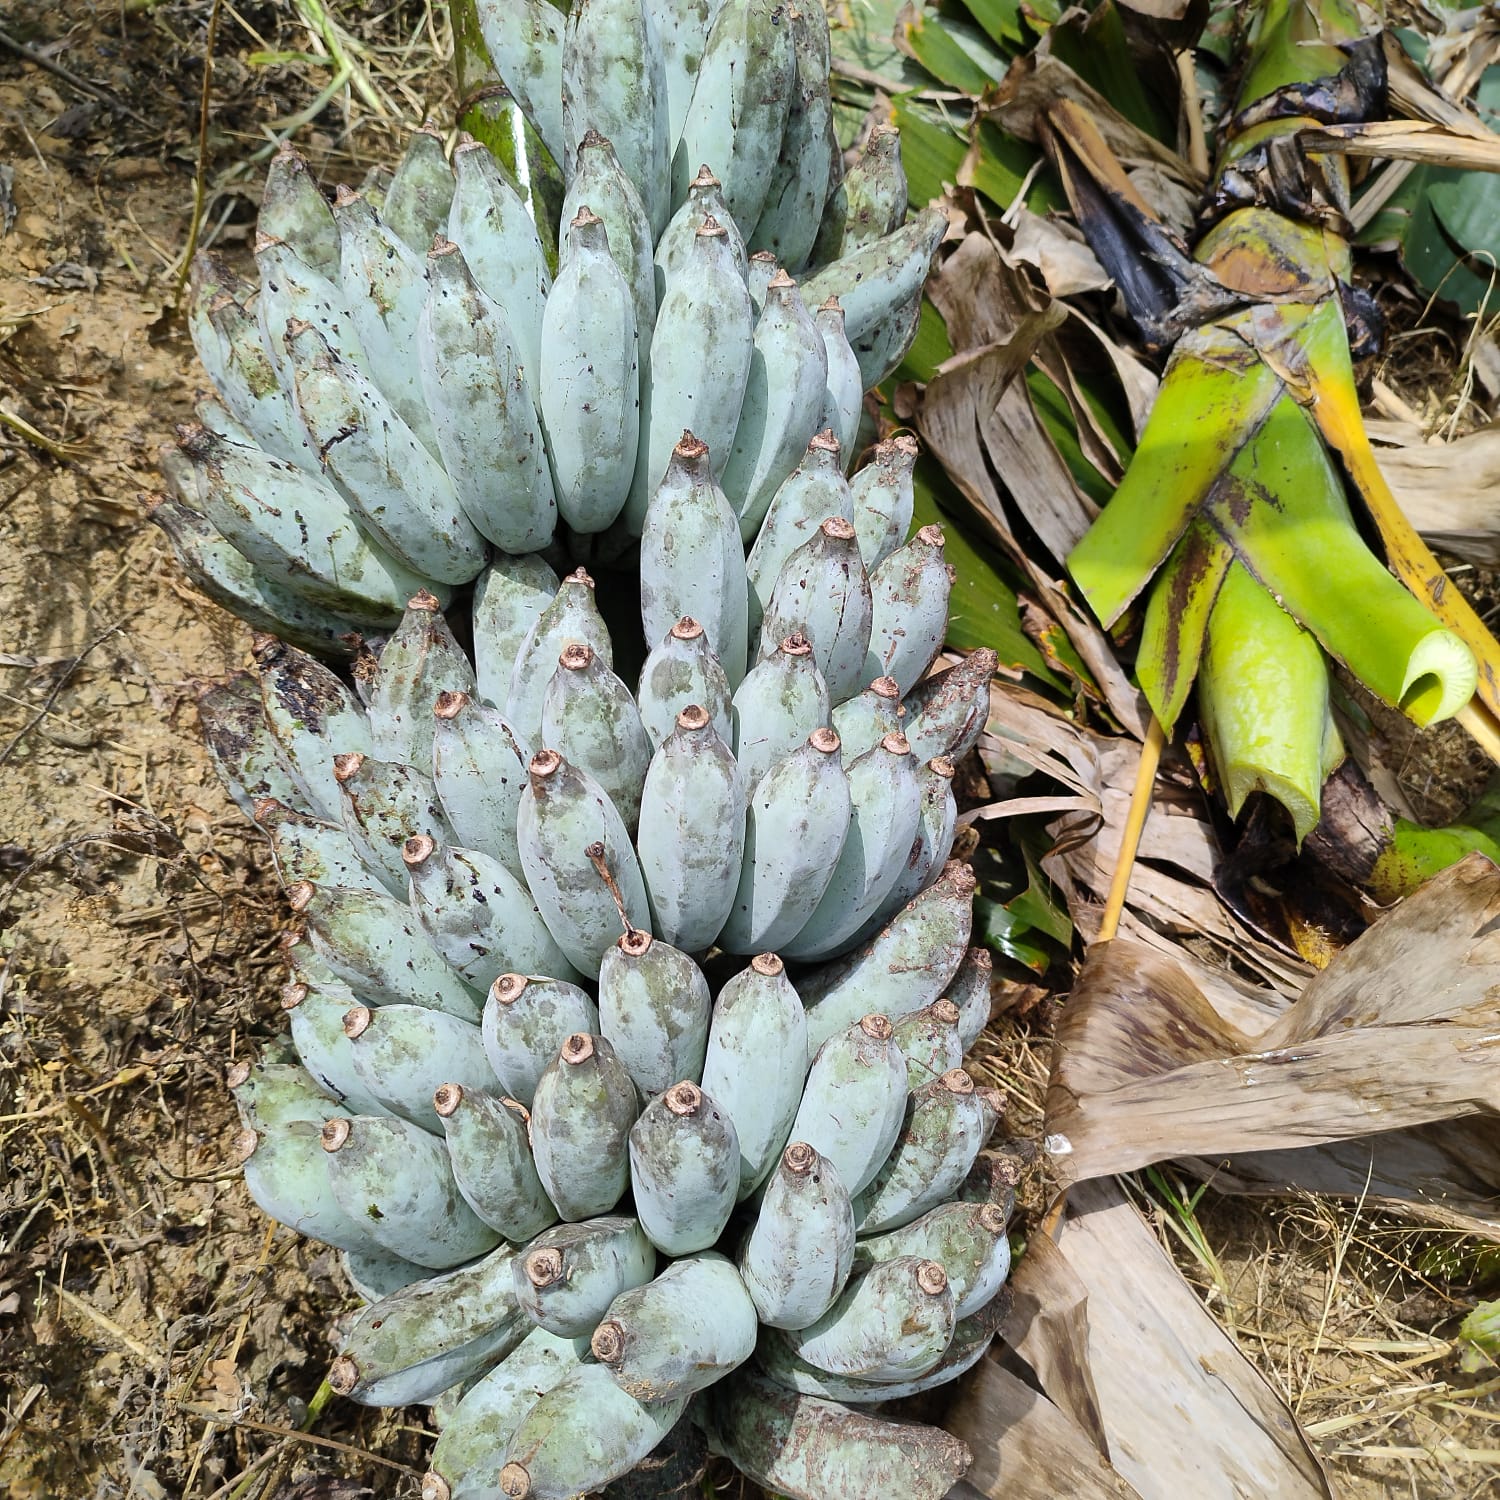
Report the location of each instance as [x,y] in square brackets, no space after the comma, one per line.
[569,1274]
[809,1449]
[755,1062]
[809,157]
[946,1124]
[654,1007]
[738,111]
[678,1334]
[468,1456]
[483,405]
[491,225]
[930,847]
[524,40]
[692,562]
[286,1173]
[861,722]
[760,271]
[871,200]
[269,1095]
[881,277]
[844,395]
[571,617]
[909,617]
[312,715]
[299,532]
[525,1023]
[292,209]
[508,598]
[929,1041]
[419,661]
[905,966]
[815,491]
[699,365]
[215,416]
[373,943]
[967,1239]
[578,859]
[947,711]
[431,1335]
[417,203]
[691,839]
[614,80]
[600,184]
[885,808]
[581,1116]
[383,804]
[796,1259]
[231,580]
[490,1150]
[589,716]
[583,1433]
[397,1176]
[684,1169]
[969,990]
[683,671]
[373,1274]
[797,820]
[781,701]
[247,756]
[384,286]
[884,499]
[317,1012]
[880,349]
[310,849]
[822,593]
[854,1101]
[292,291]
[590,379]
[682,26]
[403,1052]
[478,771]
[783,402]
[381,466]
[892,1323]
[705,200]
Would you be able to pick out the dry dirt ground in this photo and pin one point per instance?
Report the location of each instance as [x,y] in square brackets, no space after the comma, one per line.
[156,1340]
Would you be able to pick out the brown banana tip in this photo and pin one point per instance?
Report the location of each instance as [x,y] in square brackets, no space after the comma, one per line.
[265,808]
[580,575]
[293,994]
[450,704]
[242,1146]
[886,687]
[932,535]
[543,1267]
[299,895]
[265,241]
[710,228]
[578,1048]
[343,195]
[832,305]
[584,217]
[346,766]
[422,600]
[507,988]
[824,739]
[796,644]
[635,943]
[992,1219]
[768,964]
[684,1099]
[435,1487]
[825,442]
[237,1073]
[837,529]
[575,657]
[781,281]
[940,765]
[417,850]
[264,647]
[896,743]
[907,444]
[544,763]
[334,1134]
[446,1098]
[693,718]
[690,448]
[932,1278]
[945,1011]
[705,178]
[608,1343]
[799,1158]
[343,1375]
[515,1480]
[960,875]
[956,1081]
[687,629]
[877,1027]
[357,1021]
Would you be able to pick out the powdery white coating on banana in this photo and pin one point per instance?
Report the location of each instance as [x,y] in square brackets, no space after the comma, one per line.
[930,847]
[310,849]
[678,1334]
[654,1007]
[684,1169]
[524,39]
[430,1335]
[969,990]
[843,397]
[822,593]
[854,1101]
[797,820]
[489,220]
[761,269]
[590,379]
[571,618]
[581,1115]
[705,200]
[382,805]
[373,1274]
[884,499]
[683,671]
[396,1177]
[755,1062]
[692,563]
[269,1094]
[420,660]
[525,1023]
[286,1173]
[292,291]
[880,349]
[478,771]
[403,1052]
[483,401]
[508,598]
[682,26]
[781,701]
[292,209]
[583,1433]
[490,1150]
[783,403]
[420,195]
[316,1013]
[947,711]
[568,1275]
[245,753]
[929,1041]
[871,200]
[967,1239]
[861,722]
[797,1257]
[909,593]
[589,716]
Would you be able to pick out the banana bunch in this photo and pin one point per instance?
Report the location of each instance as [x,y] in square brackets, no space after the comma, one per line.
[413,393]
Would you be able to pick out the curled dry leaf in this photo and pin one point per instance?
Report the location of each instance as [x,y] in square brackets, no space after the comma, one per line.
[1447,490]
